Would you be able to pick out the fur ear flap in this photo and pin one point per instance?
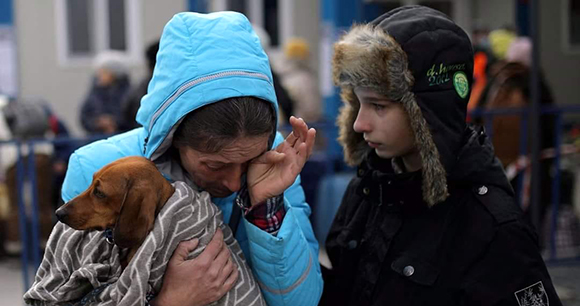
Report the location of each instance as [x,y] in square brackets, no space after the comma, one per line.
[355,147]
[136,218]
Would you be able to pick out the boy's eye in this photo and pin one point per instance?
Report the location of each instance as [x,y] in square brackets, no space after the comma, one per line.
[99,194]
[378,106]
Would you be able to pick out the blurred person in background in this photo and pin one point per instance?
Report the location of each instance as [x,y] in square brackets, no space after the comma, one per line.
[27,118]
[5,134]
[509,88]
[285,102]
[101,111]
[209,119]
[483,58]
[132,100]
[430,218]
[500,41]
[300,81]
[489,54]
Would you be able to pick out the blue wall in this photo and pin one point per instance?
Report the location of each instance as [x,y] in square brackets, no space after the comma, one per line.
[6,12]
[199,6]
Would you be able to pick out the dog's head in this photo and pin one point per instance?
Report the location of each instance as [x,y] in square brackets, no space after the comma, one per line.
[125,195]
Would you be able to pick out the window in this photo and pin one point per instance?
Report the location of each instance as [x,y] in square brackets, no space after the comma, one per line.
[117,29]
[265,14]
[271,21]
[571,26]
[86,27]
[374,9]
[455,9]
[237,6]
[78,21]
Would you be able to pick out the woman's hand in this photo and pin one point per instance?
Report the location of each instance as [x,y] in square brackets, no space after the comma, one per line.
[274,171]
[199,281]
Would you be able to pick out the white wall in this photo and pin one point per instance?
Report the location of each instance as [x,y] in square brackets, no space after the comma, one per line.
[562,70]
[38,69]
[306,25]
[494,14]
[40,75]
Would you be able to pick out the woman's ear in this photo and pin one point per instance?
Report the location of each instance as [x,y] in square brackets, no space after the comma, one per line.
[137,216]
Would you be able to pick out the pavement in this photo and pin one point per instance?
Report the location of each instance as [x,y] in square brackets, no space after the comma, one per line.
[566,278]
[11,282]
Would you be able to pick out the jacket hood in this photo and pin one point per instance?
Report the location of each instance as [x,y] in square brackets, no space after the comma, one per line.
[202,58]
[420,58]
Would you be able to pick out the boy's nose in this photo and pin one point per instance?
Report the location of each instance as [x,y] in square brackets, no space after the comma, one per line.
[360,124]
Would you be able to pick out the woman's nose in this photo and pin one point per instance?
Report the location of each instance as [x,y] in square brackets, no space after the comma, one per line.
[233,181]
[233,184]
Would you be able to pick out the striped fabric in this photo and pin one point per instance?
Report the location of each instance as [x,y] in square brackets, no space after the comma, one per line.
[81,264]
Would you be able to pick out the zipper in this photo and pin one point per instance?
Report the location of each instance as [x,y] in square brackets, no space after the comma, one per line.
[193,83]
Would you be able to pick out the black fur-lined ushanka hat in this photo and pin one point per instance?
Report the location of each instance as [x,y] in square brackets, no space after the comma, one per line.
[419,57]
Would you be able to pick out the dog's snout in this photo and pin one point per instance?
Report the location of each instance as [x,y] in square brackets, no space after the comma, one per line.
[61,215]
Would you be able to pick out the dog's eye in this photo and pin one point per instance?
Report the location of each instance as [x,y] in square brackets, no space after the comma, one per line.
[99,194]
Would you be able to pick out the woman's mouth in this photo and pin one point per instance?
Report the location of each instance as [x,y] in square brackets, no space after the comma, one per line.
[373,145]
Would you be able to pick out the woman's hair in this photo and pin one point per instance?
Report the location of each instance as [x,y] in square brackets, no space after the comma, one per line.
[210,128]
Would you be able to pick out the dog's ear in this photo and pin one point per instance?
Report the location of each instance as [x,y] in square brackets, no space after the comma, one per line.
[136,217]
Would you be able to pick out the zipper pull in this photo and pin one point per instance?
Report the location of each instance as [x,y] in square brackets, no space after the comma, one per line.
[145,144]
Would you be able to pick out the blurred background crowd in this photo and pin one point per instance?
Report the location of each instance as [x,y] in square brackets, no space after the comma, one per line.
[72,71]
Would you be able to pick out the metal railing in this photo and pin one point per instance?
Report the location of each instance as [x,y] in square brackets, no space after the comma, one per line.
[558,129]
[28,226]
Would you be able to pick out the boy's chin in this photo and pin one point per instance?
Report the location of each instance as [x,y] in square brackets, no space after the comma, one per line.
[384,154]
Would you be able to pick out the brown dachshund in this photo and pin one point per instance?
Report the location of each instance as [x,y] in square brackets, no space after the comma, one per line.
[125,196]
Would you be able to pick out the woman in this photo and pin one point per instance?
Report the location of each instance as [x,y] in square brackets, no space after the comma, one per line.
[209,119]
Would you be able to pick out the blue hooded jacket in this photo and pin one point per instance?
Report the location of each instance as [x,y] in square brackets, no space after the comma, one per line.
[205,58]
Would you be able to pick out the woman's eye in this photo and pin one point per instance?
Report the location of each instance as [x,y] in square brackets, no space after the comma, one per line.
[99,194]
[213,168]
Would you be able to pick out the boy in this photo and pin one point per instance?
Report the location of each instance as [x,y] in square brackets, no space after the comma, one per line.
[430,218]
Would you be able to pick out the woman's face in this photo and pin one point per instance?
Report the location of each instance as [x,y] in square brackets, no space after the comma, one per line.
[220,173]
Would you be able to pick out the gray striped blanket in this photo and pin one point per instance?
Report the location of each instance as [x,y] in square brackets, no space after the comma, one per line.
[82,268]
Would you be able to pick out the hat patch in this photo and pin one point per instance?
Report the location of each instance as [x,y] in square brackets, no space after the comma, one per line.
[439,74]
[461,84]
[533,295]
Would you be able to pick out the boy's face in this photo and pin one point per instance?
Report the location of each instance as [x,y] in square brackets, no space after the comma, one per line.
[384,124]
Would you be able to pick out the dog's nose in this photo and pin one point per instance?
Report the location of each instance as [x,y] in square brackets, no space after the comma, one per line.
[61,215]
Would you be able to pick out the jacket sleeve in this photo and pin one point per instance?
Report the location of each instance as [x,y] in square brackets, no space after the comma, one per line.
[286,265]
[90,158]
[511,272]
[76,180]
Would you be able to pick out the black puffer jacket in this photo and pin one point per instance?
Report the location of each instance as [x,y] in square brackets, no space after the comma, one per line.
[387,247]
